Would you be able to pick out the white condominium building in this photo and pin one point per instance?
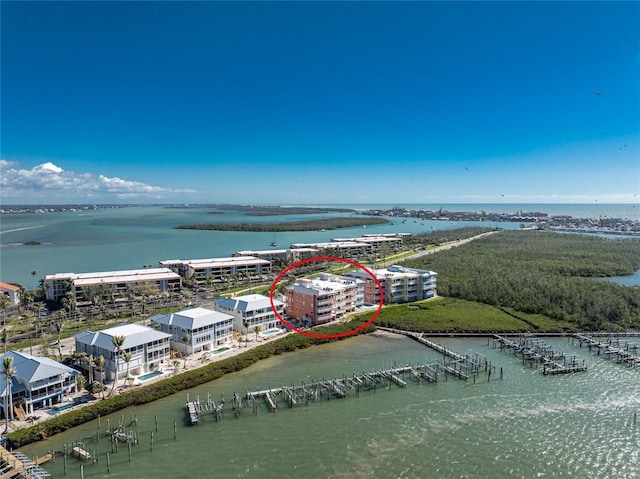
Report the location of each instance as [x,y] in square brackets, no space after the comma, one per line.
[109,284]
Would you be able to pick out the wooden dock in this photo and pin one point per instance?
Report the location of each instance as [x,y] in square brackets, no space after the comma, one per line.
[193,409]
[81,452]
[535,351]
[465,364]
[18,465]
[613,347]
[336,388]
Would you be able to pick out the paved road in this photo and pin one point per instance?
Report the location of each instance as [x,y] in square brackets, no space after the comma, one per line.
[443,247]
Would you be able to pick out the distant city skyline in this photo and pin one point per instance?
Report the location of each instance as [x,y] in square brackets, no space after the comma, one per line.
[320,102]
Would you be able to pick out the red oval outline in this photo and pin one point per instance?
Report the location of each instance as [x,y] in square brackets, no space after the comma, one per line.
[325,258]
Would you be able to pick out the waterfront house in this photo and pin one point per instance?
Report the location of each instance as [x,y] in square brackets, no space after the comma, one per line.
[149,349]
[254,309]
[37,382]
[11,291]
[203,329]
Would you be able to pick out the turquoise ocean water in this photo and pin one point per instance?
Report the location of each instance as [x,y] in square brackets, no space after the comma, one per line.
[128,238]
[525,425]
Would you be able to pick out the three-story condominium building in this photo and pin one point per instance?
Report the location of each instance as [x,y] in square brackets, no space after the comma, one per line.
[321,300]
[196,329]
[252,309]
[399,284]
[220,270]
[149,349]
[109,284]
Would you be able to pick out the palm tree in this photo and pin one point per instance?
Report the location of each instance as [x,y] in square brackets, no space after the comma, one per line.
[185,339]
[127,358]
[4,302]
[28,316]
[117,341]
[256,329]
[33,274]
[59,325]
[246,331]
[8,373]
[100,365]
[90,365]
[4,337]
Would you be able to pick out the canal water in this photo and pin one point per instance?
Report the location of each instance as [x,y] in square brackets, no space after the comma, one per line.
[525,425]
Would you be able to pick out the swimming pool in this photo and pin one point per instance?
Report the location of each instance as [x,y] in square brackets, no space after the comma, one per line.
[151,375]
[270,332]
[59,409]
[220,350]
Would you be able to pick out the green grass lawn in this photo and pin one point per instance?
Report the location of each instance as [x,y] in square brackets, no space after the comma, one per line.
[450,315]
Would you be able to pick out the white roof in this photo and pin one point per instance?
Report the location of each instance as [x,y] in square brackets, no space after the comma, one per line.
[131,275]
[192,318]
[135,335]
[368,239]
[248,302]
[336,244]
[263,252]
[128,278]
[30,369]
[224,262]
[320,287]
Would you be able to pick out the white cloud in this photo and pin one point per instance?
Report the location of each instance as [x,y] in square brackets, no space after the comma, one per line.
[49,183]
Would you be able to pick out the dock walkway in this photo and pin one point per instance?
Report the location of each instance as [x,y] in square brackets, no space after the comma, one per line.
[460,364]
[534,351]
[454,364]
[623,351]
[18,465]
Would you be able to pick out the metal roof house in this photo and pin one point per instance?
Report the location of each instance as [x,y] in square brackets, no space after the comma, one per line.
[204,328]
[255,309]
[149,349]
[37,382]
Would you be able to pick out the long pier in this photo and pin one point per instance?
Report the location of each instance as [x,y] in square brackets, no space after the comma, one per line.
[472,365]
[534,351]
[327,389]
[623,351]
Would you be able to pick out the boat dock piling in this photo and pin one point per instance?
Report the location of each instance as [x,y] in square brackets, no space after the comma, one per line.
[326,389]
[534,351]
[623,351]
[463,366]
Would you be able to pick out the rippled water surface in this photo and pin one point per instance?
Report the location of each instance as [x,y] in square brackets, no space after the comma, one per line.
[525,425]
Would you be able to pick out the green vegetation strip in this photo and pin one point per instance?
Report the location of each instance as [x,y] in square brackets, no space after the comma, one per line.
[451,315]
[551,274]
[172,385]
[308,225]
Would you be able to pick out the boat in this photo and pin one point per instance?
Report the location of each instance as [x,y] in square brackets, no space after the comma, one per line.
[81,452]
[122,436]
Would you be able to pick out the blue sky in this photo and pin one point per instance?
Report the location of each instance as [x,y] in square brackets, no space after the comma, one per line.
[320,102]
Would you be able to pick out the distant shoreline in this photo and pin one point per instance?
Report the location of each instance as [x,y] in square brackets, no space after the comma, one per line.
[308,225]
[576,210]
